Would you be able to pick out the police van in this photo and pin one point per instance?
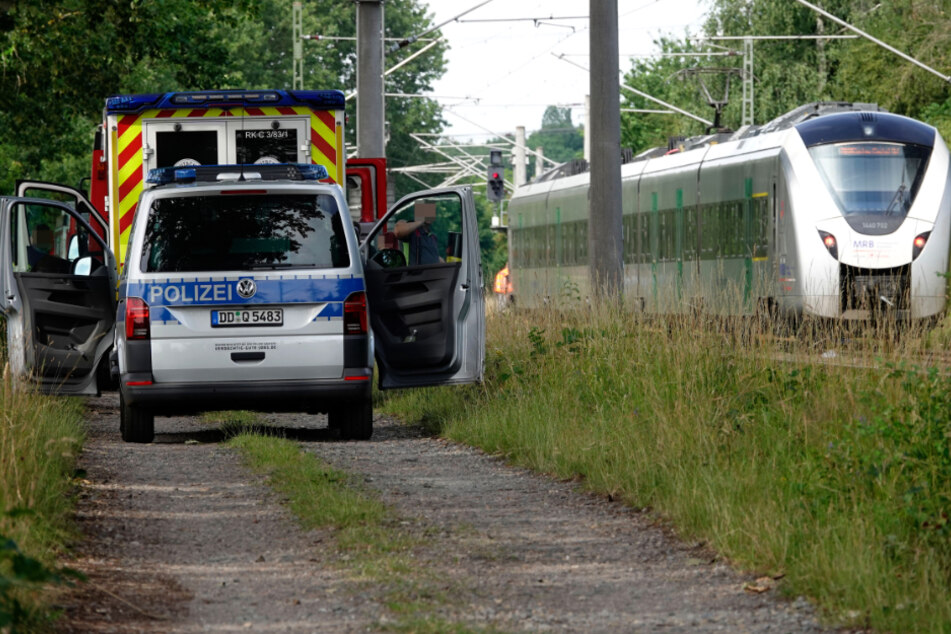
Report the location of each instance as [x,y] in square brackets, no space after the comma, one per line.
[244,287]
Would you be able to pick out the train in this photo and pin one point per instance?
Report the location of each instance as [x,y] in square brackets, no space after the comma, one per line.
[834,210]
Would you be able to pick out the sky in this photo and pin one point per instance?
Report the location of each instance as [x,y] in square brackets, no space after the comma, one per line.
[504,74]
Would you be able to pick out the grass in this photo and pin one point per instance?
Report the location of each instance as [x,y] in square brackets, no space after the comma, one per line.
[368,537]
[838,478]
[40,439]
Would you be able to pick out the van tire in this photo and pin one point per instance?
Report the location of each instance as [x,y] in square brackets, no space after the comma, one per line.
[135,424]
[353,419]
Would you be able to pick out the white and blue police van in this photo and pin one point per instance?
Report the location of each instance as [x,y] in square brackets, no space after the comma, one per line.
[244,287]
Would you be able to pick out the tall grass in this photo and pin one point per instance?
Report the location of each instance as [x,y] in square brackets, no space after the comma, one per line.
[40,438]
[836,476]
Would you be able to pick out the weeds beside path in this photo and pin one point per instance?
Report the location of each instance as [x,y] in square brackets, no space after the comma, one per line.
[835,477]
[40,438]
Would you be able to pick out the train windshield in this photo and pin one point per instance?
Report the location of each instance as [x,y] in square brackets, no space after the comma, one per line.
[872,178]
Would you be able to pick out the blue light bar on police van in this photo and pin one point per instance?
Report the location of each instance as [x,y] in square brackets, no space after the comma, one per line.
[316,99]
[211,173]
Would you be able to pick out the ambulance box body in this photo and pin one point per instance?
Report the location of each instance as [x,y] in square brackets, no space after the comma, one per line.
[224,127]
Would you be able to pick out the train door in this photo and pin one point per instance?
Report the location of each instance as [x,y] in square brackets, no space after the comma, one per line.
[424,290]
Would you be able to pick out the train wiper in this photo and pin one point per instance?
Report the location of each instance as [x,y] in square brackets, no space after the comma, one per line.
[896,199]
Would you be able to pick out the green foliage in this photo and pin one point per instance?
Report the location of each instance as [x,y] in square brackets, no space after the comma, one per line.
[790,73]
[558,137]
[40,437]
[20,574]
[658,78]
[60,60]
[901,453]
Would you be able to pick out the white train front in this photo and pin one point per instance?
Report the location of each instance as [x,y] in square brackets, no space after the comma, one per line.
[833,210]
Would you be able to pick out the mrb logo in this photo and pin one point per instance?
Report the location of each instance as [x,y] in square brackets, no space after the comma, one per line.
[860,244]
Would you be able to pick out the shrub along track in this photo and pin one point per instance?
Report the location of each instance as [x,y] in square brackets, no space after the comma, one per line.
[181,537]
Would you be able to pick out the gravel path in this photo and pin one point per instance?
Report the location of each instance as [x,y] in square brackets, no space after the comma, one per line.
[182,538]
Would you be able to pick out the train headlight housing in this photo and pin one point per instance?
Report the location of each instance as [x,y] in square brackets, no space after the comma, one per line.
[829,241]
[919,243]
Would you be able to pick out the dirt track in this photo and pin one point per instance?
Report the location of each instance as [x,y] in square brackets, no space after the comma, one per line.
[182,538]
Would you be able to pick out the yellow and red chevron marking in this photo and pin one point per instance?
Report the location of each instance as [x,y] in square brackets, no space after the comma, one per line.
[325,140]
[129,172]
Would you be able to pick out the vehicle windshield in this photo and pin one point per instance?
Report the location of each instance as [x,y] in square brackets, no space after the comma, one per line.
[241,232]
[872,178]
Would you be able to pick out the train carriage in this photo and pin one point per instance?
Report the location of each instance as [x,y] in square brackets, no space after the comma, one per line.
[834,210]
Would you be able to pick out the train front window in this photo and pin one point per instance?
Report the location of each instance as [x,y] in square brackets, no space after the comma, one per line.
[872,178]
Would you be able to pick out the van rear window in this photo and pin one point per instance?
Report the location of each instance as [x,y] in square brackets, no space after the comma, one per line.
[244,233]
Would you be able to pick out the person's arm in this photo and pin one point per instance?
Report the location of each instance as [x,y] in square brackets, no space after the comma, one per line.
[404,229]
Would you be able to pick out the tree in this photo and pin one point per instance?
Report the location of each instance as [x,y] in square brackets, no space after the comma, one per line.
[790,73]
[658,78]
[59,60]
[559,138]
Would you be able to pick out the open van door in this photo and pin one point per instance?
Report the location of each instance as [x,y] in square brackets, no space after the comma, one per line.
[424,291]
[58,280]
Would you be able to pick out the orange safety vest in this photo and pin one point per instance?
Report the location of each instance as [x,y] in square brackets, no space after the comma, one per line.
[503,285]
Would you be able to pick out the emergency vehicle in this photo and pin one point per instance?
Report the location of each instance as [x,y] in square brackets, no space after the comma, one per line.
[140,133]
[62,255]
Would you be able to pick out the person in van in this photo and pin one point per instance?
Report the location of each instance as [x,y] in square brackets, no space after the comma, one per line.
[419,234]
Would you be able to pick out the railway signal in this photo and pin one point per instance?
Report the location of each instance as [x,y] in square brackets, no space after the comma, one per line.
[495,177]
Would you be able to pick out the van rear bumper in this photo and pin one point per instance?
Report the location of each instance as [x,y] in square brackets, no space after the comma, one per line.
[262,396]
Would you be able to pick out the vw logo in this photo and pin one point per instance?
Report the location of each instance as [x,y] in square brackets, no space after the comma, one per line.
[246,288]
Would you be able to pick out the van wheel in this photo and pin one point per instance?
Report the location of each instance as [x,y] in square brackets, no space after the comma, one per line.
[353,419]
[135,424]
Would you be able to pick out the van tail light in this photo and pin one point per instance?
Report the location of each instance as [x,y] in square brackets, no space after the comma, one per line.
[136,318]
[829,241]
[919,243]
[355,314]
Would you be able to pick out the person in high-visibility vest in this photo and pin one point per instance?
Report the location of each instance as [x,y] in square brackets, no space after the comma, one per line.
[503,287]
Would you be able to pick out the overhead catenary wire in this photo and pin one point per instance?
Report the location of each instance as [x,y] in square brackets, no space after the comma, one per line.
[643,94]
[409,40]
[403,62]
[502,136]
[535,20]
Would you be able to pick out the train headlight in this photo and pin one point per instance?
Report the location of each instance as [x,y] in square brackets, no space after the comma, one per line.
[920,241]
[829,241]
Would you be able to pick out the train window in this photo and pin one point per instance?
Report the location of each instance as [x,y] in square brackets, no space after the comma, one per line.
[629,238]
[690,233]
[583,243]
[671,218]
[872,178]
[643,225]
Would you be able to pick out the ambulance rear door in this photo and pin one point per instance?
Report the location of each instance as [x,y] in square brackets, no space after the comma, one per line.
[225,141]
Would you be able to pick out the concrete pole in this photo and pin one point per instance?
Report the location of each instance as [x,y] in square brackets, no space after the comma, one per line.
[298,45]
[520,175]
[370,106]
[587,128]
[605,230]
